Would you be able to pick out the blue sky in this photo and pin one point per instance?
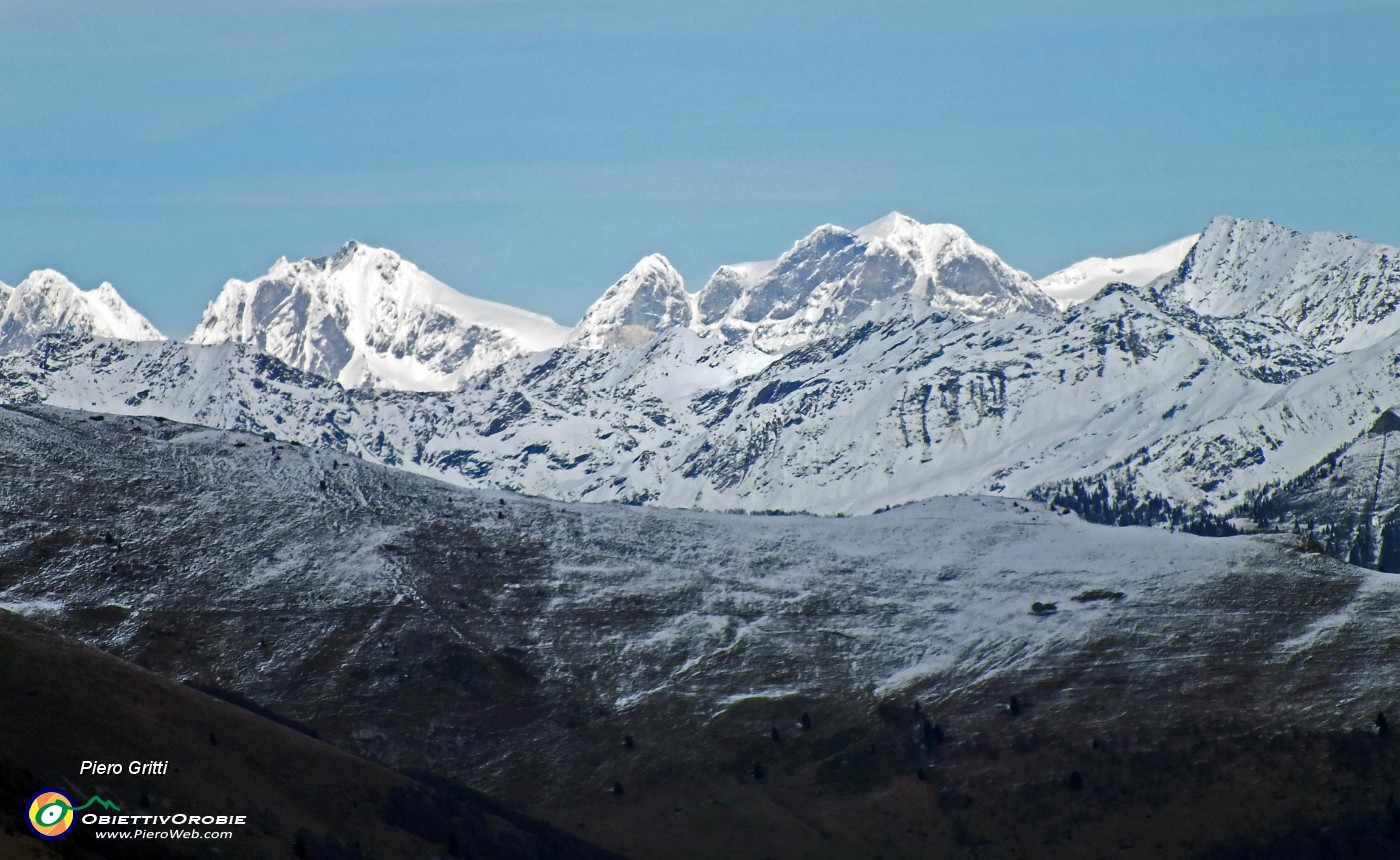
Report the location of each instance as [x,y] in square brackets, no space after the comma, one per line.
[530,152]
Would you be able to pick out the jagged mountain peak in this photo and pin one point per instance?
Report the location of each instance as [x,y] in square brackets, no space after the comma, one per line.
[1336,290]
[894,221]
[650,298]
[349,254]
[352,247]
[354,251]
[365,315]
[47,302]
[48,279]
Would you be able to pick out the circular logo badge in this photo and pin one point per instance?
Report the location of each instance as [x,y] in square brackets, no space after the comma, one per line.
[50,814]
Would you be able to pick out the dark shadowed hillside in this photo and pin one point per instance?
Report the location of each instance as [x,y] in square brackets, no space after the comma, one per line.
[65,703]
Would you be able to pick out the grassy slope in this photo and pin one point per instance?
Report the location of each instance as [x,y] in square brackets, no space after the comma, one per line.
[66,702]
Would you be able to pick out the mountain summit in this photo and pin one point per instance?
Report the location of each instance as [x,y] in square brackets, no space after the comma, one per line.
[649,298]
[834,275]
[366,315]
[46,302]
[1338,291]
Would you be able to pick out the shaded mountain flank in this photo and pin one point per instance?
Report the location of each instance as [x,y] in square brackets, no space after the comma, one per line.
[66,703]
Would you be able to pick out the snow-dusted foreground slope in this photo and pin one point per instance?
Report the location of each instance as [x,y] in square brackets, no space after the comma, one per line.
[935,592]
[514,642]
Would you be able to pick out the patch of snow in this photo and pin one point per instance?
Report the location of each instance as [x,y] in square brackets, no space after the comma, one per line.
[1078,282]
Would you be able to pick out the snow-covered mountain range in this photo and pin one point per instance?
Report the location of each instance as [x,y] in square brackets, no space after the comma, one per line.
[1339,292]
[859,369]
